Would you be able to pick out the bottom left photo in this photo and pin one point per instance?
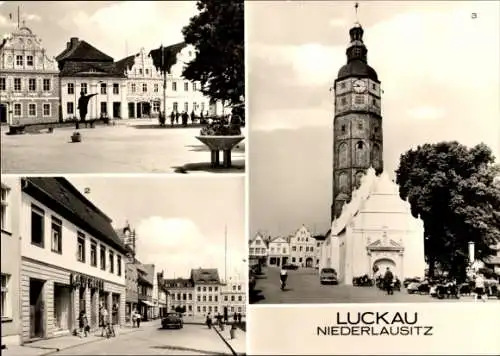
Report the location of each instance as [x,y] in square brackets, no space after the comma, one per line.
[96,265]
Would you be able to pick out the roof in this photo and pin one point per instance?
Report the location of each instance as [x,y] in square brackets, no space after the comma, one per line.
[60,195]
[173,283]
[150,271]
[169,56]
[126,63]
[319,237]
[205,275]
[90,69]
[280,237]
[357,68]
[83,51]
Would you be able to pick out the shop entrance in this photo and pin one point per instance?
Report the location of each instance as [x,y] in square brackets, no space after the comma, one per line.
[37,309]
[93,308]
[116,109]
[62,307]
[115,310]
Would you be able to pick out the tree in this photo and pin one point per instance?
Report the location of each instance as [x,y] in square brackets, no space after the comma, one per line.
[451,188]
[217,33]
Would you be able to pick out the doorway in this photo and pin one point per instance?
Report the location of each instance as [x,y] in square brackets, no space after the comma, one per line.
[3,113]
[62,307]
[285,260]
[93,307]
[37,309]
[131,110]
[116,109]
[309,262]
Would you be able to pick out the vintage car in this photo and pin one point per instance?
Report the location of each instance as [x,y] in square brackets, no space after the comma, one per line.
[172,320]
[328,276]
[363,281]
[407,281]
[290,266]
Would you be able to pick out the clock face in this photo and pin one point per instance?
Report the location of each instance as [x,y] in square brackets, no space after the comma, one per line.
[359,86]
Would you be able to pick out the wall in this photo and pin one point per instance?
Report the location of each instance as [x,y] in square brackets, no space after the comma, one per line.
[11,261]
[68,258]
[93,86]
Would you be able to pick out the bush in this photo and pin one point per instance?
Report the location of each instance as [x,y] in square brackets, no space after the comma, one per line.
[220,129]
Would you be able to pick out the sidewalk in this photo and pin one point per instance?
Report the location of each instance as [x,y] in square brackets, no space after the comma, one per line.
[48,346]
[239,344]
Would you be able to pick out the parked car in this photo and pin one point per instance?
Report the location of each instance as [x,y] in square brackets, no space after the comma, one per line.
[363,281]
[407,281]
[172,320]
[290,266]
[328,275]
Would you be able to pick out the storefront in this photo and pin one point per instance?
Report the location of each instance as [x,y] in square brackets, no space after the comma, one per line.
[52,298]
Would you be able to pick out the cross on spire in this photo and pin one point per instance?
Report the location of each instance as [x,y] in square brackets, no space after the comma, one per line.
[356,5]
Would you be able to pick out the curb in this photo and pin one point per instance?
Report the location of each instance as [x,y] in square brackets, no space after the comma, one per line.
[226,342]
[57,349]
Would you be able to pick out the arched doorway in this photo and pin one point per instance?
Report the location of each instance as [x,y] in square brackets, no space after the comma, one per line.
[309,262]
[381,265]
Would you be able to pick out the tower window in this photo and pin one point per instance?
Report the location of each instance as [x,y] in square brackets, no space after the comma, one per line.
[342,85]
[360,126]
[359,99]
[375,129]
[374,86]
[343,128]
[359,145]
[343,101]
[374,101]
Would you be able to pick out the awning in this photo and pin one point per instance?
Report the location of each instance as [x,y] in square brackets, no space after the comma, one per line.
[148,303]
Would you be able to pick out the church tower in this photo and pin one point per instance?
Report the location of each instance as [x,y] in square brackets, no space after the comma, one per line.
[357,126]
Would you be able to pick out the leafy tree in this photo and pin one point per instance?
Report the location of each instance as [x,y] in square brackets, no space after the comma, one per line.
[217,33]
[452,189]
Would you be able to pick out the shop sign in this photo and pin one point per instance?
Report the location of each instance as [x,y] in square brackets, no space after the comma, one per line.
[81,280]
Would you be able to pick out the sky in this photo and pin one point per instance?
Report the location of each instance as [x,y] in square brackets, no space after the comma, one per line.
[117,28]
[179,222]
[439,69]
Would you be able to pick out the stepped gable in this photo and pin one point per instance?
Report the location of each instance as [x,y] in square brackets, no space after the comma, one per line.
[126,63]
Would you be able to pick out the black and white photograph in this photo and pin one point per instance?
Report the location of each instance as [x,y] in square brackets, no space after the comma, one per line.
[374,152]
[123,266]
[122,87]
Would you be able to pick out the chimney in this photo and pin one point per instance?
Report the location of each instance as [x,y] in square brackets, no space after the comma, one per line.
[74,42]
[68,45]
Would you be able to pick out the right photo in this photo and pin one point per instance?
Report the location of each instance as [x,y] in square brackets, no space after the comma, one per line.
[374,152]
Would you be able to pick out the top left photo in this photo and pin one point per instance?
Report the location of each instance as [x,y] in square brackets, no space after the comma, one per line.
[122,87]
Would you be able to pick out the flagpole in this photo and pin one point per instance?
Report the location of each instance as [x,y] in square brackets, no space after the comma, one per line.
[225,253]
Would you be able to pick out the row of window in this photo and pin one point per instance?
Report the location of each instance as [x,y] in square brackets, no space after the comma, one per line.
[308,248]
[38,239]
[32,84]
[359,100]
[257,250]
[84,88]
[156,87]
[215,288]
[20,61]
[343,85]
[32,109]
[277,250]
[215,309]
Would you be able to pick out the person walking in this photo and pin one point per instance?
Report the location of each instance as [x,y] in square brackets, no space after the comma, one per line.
[105,320]
[83,324]
[138,319]
[480,290]
[209,321]
[134,318]
[388,279]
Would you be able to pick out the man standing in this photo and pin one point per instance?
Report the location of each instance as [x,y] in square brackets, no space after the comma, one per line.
[388,279]
[83,103]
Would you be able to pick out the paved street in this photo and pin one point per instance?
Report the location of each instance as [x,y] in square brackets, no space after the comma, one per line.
[191,340]
[303,287]
[131,146]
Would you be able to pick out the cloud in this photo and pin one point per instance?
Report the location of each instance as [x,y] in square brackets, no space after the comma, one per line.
[31,17]
[5,22]
[337,23]
[108,28]
[426,112]
[176,245]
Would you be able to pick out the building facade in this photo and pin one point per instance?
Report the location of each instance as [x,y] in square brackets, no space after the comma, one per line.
[320,240]
[72,260]
[144,85]
[145,291]
[233,298]
[257,249]
[150,270]
[85,69]
[162,295]
[180,294]
[375,231]
[278,252]
[207,286]
[302,248]
[11,259]
[358,139]
[29,85]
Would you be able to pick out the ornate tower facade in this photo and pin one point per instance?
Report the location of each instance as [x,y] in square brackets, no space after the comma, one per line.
[357,127]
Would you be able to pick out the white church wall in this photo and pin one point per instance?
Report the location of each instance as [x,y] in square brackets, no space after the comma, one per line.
[414,263]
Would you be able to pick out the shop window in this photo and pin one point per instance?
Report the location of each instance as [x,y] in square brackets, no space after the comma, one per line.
[81,247]
[6,306]
[56,235]
[37,226]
